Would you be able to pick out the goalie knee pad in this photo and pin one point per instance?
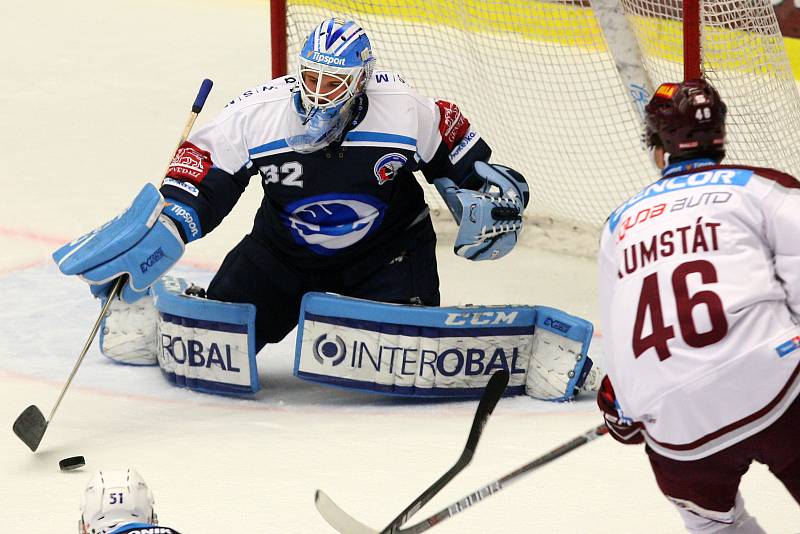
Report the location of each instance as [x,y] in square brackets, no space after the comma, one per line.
[201,344]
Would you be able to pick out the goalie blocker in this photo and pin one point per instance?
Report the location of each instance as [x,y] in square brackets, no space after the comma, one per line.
[209,346]
[440,352]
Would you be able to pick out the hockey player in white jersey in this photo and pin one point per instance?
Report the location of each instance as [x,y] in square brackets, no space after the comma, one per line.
[119,502]
[700,302]
[334,147]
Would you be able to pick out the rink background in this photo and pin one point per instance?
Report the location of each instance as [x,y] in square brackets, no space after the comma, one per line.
[94,95]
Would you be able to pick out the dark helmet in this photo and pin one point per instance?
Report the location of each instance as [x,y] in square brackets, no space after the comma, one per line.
[687,119]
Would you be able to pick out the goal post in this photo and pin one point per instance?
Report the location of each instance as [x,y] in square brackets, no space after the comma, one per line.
[278,37]
[546,84]
[692,57]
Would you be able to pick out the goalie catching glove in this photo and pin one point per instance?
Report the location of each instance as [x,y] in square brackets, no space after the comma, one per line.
[489,219]
[143,242]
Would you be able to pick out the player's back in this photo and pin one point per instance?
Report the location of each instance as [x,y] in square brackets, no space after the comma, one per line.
[688,275]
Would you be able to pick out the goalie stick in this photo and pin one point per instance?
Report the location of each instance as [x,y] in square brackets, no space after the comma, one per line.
[344,523]
[31,425]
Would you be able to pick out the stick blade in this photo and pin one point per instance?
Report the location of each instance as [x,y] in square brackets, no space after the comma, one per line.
[491,396]
[338,518]
[30,427]
[494,390]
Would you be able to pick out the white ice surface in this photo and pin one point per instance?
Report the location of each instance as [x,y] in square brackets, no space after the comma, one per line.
[92,99]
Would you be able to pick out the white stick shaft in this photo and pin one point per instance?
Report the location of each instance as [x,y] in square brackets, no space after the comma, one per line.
[205,88]
[184,135]
[625,50]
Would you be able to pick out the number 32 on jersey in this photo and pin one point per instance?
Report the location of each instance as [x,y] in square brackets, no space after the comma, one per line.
[289,174]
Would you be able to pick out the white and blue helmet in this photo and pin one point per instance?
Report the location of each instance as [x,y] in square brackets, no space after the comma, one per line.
[336,51]
[113,499]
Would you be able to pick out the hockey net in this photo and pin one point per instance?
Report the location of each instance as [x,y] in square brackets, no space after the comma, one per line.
[538,81]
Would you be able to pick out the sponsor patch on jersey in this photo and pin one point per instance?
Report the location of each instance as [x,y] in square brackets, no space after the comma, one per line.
[463,147]
[787,347]
[329,223]
[453,126]
[186,217]
[386,168]
[186,186]
[190,164]
[713,177]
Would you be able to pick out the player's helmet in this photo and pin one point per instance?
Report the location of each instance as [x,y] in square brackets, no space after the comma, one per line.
[687,119]
[113,498]
[339,51]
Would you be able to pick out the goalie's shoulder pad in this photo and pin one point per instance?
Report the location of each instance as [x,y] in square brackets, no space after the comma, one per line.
[439,352]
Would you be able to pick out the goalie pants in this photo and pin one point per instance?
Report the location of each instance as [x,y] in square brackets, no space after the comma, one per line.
[712,483]
[403,271]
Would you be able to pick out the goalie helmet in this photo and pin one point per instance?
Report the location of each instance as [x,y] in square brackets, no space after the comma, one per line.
[687,119]
[334,67]
[114,498]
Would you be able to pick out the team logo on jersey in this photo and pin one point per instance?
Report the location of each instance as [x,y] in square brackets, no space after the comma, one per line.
[329,223]
[386,168]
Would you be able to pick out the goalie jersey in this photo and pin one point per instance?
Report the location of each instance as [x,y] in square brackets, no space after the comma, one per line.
[700,301]
[322,208]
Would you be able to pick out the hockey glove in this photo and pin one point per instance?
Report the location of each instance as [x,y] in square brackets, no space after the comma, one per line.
[141,242]
[489,219]
[621,428]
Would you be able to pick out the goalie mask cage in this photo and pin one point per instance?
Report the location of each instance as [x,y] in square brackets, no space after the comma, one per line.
[539,83]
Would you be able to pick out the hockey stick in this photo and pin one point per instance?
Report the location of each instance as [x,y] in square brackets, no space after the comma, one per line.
[625,52]
[495,486]
[31,425]
[346,524]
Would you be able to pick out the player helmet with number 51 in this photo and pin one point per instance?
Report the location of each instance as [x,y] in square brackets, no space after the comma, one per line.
[114,498]
[334,67]
[687,119]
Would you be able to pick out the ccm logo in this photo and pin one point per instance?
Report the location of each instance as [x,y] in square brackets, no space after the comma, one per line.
[480,318]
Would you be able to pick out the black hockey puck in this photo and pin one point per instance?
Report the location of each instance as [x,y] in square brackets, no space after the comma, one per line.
[72,463]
